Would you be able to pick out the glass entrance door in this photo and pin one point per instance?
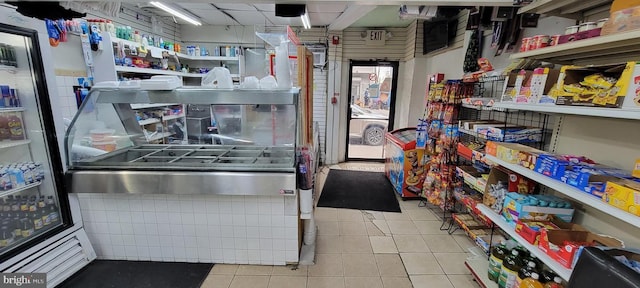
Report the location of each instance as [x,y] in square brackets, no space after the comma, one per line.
[371,107]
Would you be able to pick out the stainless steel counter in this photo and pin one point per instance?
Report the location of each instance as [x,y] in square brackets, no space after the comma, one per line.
[188,169]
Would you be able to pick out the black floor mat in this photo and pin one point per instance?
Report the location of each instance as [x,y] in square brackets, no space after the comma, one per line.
[138,274]
[358,190]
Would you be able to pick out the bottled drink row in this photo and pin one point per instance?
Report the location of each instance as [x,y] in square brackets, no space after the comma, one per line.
[511,266]
[22,216]
[8,55]
[16,175]
[9,97]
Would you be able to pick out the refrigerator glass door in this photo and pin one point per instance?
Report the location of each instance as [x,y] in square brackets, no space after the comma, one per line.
[30,168]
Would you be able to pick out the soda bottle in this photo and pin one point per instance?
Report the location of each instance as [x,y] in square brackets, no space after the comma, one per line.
[525,273]
[531,282]
[498,253]
[510,267]
[557,283]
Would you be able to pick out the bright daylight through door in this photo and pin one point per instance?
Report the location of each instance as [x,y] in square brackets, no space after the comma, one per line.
[370,105]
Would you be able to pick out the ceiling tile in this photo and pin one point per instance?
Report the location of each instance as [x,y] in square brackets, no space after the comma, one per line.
[322,19]
[213,17]
[249,17]
[266,7]
[326,7]
[196,6]
[238,7]
[293,21]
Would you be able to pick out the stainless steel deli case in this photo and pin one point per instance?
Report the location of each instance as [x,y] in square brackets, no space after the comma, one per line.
[109,151]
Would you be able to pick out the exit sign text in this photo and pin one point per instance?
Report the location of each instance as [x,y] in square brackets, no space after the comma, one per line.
[375,37]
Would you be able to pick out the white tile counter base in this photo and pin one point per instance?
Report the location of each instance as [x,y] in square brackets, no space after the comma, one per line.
[192,228]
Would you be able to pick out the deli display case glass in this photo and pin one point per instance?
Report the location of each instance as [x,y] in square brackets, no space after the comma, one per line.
[248,147]
[404,164]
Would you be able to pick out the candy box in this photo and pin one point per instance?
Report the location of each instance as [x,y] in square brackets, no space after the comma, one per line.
[582,177]
[551,165]
[528,158]
[586,86]
[563,245]
[491,148]
[520,184]
[514,134]
[636,169]
[530,229]
[519,207]
[514,83]
[624,194]
[509,152]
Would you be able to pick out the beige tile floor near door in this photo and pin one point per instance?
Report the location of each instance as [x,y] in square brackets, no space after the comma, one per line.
[365,249]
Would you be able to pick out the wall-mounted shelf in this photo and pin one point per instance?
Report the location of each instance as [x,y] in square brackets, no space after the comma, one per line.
[158,51]
[171,117]
[156,105]
[156,71]
[570,191]
[562,271]
[159,136]
[607,49]
[574,110]
[483,108]
[148,121]
[564,8]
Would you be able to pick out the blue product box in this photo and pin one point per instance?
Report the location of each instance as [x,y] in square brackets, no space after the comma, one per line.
[550,165]
[518,207]
[514,134]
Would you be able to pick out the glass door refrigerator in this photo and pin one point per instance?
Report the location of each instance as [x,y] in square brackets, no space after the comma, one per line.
[37,231]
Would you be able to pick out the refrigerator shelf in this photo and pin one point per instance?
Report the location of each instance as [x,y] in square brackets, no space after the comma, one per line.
[13,143]
[9,69]
[12,109]
[16,190]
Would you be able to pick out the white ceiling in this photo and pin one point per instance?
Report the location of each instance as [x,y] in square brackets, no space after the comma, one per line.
[260,14]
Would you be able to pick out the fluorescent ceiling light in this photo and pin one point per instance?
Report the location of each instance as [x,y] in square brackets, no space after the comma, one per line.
[176,13]
[305,20]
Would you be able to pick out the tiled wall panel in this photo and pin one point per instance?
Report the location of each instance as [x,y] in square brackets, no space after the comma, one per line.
[216,229]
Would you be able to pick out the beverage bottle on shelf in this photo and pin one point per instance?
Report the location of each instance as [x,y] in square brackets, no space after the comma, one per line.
[531,282]
[227,51]
[54,215]
[6,205]
[522,252]
[24,206]
[510,267]
[557,283]
[525,272]
[15,127]
[15,205]
[17,229]
[5,133]
[498,253]
[37,220]
[547,276]
[197,51]
[42,202]
[27,225]
[6,236]
[44,215]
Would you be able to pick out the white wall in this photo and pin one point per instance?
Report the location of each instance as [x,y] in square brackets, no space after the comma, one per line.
[403,97]
[217,34]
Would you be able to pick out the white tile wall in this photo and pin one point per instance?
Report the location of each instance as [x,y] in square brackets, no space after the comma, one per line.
[67,98]
[216,228]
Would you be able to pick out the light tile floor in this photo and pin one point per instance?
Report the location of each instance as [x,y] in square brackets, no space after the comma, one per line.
[365,249]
